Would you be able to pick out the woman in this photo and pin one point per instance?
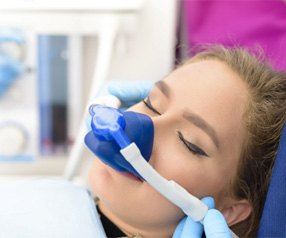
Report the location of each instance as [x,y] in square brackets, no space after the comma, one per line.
[217,122]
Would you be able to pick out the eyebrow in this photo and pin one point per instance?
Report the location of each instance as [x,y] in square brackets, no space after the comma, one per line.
[201,123]
[164,88]
[192,117]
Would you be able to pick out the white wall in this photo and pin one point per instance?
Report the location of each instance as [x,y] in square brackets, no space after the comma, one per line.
[150,52]
[147,53]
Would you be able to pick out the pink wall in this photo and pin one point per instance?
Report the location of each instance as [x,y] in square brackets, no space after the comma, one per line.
[239,22]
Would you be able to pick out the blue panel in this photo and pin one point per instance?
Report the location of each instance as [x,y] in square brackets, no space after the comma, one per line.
[273,222]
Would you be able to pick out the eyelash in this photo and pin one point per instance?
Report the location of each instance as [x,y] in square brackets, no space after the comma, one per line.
[150,107]
[191,147]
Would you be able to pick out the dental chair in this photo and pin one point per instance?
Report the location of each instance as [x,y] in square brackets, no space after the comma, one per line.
[273,222]
[47,208]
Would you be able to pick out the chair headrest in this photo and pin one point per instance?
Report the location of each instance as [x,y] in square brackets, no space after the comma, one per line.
[273,219]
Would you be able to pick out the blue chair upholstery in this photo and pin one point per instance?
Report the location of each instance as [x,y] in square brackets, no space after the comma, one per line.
[273,222]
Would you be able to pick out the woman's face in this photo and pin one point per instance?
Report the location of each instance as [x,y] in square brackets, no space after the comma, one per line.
[197,112]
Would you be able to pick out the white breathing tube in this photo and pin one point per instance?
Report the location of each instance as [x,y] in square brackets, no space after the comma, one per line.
[190,205]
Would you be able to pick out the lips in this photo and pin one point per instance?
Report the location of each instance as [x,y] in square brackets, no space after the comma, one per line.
[127,175]
[131,176]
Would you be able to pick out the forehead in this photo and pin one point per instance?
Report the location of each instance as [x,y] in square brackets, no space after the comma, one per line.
[207,72]
[212,90]
[211,77]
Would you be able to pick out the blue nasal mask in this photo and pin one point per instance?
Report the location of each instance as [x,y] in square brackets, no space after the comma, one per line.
[113,130]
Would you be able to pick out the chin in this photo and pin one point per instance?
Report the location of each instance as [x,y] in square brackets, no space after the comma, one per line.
[99,177]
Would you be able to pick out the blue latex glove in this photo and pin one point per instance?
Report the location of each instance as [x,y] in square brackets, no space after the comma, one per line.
[214,226]
[130,92]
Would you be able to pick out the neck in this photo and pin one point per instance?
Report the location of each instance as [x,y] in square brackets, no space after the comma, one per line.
[131,229]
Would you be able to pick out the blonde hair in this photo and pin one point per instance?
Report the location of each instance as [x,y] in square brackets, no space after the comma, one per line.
[263,120]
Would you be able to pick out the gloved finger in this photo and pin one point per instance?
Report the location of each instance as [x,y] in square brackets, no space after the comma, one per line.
[179,228]
[209,201]
[215,225]
[130,92]
[188,227]
[192,229]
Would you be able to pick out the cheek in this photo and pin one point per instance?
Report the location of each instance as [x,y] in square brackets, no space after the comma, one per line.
[200,176]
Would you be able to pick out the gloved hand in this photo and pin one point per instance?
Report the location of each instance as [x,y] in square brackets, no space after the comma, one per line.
[130,92]
[214,224]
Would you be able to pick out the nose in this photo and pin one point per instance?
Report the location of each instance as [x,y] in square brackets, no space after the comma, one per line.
[162,127]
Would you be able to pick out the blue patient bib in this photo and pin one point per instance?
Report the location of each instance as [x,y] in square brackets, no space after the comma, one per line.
[47,209]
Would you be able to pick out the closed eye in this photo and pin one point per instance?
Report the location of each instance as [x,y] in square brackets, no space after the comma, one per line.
[148,104]
[191,147]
